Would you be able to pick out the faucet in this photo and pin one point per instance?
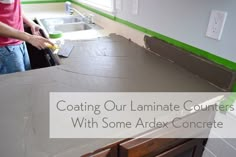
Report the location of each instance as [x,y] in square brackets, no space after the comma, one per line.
[70,10]
[78,12]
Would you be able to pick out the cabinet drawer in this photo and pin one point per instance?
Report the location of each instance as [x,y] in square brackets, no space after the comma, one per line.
[147,147]
[163,148]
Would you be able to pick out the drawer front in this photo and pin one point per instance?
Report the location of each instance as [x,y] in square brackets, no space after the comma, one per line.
[147,147]
[162,148]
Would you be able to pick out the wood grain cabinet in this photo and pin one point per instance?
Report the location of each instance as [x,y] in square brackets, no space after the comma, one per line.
[154,143]
[156,147]
[162,148]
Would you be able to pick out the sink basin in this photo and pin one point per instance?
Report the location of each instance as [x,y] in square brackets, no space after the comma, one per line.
[64,25]
[72,27]
[61,20]
[58,23]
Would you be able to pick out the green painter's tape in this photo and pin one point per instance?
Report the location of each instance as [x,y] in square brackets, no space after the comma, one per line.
[219,60]
[234,87]
[210,56]
[227,104]
[41,1]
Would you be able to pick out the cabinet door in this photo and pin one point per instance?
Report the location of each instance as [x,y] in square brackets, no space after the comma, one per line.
[193,148]
[147,147]
[162,148]
[158,143]
[105,153]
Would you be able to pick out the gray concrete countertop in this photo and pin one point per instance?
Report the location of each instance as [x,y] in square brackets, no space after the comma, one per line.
[111,64]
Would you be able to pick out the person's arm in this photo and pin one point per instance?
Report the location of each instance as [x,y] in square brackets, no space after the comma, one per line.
[33,26]
[37,41]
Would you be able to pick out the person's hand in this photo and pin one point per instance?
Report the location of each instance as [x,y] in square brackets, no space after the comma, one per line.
[39,42]
[35,29]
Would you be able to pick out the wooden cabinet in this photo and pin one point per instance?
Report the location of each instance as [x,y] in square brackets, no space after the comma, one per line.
[156,147]
[147,147]
[154,143]
[162,148]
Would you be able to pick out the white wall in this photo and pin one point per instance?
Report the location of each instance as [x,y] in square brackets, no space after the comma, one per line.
[186,21]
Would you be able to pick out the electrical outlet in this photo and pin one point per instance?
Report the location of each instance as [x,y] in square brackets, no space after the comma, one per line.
[216,24]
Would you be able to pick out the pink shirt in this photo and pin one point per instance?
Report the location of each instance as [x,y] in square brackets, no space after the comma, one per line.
[10,14]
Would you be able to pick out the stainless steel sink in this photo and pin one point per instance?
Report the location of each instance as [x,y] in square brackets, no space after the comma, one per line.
[61,20]
[65,24]
[71,27]
[59,24]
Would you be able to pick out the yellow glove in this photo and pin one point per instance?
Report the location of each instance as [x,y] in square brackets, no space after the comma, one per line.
[54,47]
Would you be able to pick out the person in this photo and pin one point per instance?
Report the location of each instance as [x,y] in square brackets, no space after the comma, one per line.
[13,52]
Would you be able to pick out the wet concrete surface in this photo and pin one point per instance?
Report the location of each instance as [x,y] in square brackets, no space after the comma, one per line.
[111,64]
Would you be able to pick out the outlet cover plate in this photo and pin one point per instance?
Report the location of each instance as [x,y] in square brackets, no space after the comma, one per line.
[216,24]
